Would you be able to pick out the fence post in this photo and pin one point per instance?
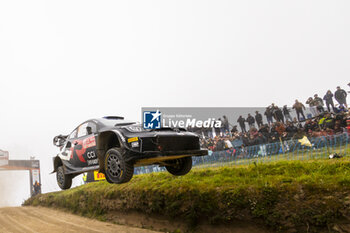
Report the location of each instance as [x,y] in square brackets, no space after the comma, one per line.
[346,143]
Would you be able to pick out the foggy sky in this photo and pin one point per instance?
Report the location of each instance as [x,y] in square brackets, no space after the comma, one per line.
[63,62]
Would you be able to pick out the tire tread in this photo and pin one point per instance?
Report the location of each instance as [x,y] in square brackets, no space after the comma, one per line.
[186,168]
[129,167]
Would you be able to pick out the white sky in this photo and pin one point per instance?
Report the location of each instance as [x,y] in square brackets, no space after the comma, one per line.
[62,62]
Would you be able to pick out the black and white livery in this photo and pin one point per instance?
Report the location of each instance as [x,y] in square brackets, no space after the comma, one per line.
[115,146]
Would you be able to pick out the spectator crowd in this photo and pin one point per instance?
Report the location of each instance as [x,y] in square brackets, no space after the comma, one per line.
[326,118]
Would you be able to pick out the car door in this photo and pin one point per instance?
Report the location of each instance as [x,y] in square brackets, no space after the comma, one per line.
[85,145]
[67,149]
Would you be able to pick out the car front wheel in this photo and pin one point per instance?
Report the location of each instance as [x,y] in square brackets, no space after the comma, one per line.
[117,170]
[179,167]
[64,181]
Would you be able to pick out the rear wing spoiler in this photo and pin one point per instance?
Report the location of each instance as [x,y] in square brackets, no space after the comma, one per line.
[59,140]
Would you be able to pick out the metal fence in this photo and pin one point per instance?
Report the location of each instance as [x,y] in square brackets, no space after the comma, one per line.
[321,147]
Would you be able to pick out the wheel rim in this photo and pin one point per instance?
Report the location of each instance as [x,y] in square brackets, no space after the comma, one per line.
[114,167]
[178,163]
[60,177]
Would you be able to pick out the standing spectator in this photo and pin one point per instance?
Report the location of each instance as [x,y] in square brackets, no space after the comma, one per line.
[318,102]
[286,113]
[310,102]
[329,100]
[36,188]
[273,111]
[279,114]
[251,121]
[299,107]
[268,114]
[340,96]
[258,119]
[241,122]
[226,125]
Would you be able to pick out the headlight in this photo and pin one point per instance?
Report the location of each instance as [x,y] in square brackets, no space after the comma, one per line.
[135,144]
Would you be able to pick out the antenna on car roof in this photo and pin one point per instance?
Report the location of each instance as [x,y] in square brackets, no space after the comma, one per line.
[114,117]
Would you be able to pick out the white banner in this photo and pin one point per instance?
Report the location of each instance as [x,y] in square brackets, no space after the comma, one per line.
[35,176]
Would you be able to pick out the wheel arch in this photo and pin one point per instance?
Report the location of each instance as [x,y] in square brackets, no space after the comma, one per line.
[56,163]
[105,141]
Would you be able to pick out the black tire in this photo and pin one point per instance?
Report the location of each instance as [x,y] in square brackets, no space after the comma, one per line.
[64,181]
[117,170]
[179,167]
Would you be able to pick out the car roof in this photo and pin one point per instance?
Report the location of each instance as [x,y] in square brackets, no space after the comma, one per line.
[112,121]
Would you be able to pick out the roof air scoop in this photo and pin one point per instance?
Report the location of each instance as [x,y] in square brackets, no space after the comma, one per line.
[114,117]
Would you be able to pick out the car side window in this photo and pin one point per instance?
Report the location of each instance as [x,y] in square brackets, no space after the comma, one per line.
[82,131]
[73,134]
[91,128]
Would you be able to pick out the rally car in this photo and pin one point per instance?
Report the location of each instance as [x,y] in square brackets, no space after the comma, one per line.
[114,146]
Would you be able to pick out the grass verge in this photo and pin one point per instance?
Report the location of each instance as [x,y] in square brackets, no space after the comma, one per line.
[287,195]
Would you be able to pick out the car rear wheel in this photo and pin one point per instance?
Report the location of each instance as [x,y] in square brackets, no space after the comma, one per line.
[117,170]
[64,181]
[179,167]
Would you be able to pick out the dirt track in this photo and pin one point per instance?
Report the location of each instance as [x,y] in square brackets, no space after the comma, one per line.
[39,219]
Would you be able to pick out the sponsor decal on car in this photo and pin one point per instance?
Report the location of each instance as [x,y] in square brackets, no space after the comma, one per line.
[92,158]
[92,162]
[89,142]
[134,139]
[99,176]
[79,150]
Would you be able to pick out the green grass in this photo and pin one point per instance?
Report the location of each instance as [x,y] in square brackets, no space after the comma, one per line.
[300,154]
[282,195]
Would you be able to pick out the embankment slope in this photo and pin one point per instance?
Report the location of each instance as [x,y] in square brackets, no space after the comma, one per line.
[295,196]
